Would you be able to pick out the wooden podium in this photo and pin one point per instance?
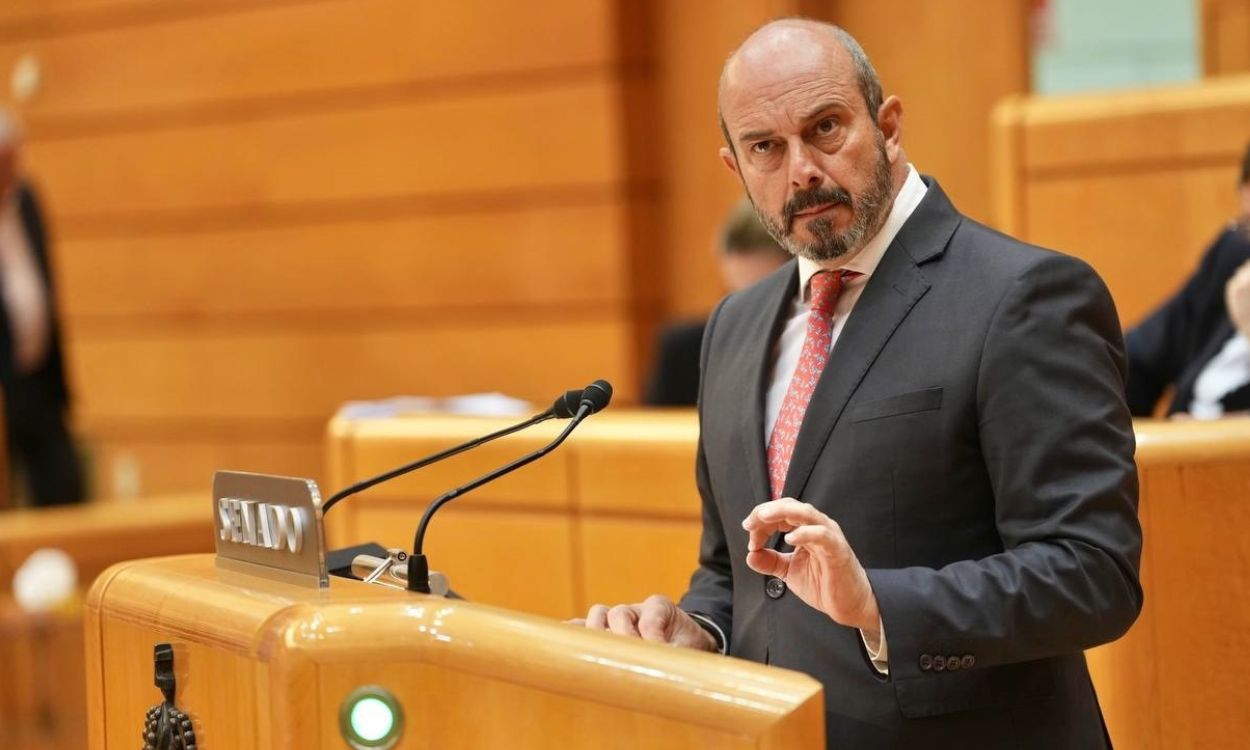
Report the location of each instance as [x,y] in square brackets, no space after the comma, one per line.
[266,664]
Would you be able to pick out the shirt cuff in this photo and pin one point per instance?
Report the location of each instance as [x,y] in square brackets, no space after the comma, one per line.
[880,658]
[710,626]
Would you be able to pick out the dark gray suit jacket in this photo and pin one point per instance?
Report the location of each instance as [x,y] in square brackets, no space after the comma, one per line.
[970,435]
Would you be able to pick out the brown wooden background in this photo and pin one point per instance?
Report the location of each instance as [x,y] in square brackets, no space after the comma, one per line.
[264,208]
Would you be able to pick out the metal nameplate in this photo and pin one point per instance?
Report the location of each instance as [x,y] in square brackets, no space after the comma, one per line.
[270,526]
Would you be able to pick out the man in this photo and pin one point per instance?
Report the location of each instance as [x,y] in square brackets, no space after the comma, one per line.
[1198,342]
[747,253]
[953,513]
[31,367]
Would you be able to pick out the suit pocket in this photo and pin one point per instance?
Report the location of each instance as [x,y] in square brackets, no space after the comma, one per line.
[903,403]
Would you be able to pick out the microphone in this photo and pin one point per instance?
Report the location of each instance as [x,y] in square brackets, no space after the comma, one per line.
[564,407]
[594,398]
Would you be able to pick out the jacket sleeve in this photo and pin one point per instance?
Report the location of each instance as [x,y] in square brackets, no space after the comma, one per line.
[1057,441]
[711,587]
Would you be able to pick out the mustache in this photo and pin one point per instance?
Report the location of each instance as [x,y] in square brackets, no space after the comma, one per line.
[812,197]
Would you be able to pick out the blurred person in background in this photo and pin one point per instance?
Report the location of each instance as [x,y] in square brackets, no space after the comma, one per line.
[1198,342]
[32,370]
[747,254]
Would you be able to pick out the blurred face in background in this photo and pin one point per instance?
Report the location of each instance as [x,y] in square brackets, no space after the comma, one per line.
[1245,201]
[820,172]
[741,270]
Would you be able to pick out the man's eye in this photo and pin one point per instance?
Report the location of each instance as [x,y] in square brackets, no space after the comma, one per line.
[826,126]
[761,147]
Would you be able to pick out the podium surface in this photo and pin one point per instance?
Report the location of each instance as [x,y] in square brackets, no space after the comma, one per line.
[269,665]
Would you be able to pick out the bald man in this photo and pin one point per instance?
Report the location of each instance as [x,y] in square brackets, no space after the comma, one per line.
[915,458]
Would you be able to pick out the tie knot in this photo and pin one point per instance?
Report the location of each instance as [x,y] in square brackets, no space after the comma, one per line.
[826,286]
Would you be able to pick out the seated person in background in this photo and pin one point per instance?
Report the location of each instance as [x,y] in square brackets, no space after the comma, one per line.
[747,254]
[1198,342]
[31,369]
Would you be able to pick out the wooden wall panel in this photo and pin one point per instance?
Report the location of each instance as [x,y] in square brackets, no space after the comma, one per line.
[955,61]
[269,207]
[393,264]
[1225,36]
[1137,183]
[440,146]
[518,560]
[235,63]
[208,373]
[615,568]
[133,462]
[1145,254]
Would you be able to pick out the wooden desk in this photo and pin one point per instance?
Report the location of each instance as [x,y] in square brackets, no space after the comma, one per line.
[1136,182]
[620,515]
[42,678]
[613,515]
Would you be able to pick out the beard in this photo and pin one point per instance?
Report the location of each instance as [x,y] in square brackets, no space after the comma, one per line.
[868,211]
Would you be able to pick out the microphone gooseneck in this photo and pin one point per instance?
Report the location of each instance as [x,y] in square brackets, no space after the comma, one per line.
[594,398]
[563,408]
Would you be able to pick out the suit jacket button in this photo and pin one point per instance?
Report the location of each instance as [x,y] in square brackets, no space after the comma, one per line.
[953,663]
[939,663]
[968,662]
[775,588]
[926,662]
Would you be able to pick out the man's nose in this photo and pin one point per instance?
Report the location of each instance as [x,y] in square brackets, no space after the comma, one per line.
[804,173]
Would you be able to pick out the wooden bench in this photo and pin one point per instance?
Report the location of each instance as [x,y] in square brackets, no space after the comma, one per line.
[42,677]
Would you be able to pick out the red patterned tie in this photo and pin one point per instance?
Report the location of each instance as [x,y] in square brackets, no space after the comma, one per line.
[825,288]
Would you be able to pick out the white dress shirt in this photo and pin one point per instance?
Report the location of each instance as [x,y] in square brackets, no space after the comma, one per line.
[1225,373]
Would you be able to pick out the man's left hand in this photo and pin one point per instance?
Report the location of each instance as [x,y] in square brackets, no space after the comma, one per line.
[822,570]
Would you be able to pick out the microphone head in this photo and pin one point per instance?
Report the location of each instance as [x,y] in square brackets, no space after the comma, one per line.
[566,405]
[597,395]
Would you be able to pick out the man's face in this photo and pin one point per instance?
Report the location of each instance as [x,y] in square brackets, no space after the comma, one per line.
[817,168]
[1245,201]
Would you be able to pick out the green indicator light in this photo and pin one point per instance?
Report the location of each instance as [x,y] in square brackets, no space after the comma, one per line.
[370,718]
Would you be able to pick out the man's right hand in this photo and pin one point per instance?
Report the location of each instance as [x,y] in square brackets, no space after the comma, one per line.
[656,619]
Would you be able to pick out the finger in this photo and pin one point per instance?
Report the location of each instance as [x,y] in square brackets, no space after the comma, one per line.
[814,536]
[758,531]
[784,511]
[782,515]
[623,620]
[656,618]
[597,618]
[769,562]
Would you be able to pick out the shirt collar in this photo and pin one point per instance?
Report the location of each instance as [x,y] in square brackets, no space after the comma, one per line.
[866,260]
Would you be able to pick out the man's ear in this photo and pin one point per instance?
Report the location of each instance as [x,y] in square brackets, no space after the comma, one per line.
[890,120]
[731,161]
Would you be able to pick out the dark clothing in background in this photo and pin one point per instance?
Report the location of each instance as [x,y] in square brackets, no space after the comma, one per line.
[1174,343]
[35,403]
[675,377]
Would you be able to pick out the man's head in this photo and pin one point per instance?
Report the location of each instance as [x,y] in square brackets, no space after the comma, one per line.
[809,135]
[748,252]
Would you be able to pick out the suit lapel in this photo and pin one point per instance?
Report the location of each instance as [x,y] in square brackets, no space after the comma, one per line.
[755,360]
[892,291]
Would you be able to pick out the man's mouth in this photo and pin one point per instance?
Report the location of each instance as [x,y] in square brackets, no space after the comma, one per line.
[816,209]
